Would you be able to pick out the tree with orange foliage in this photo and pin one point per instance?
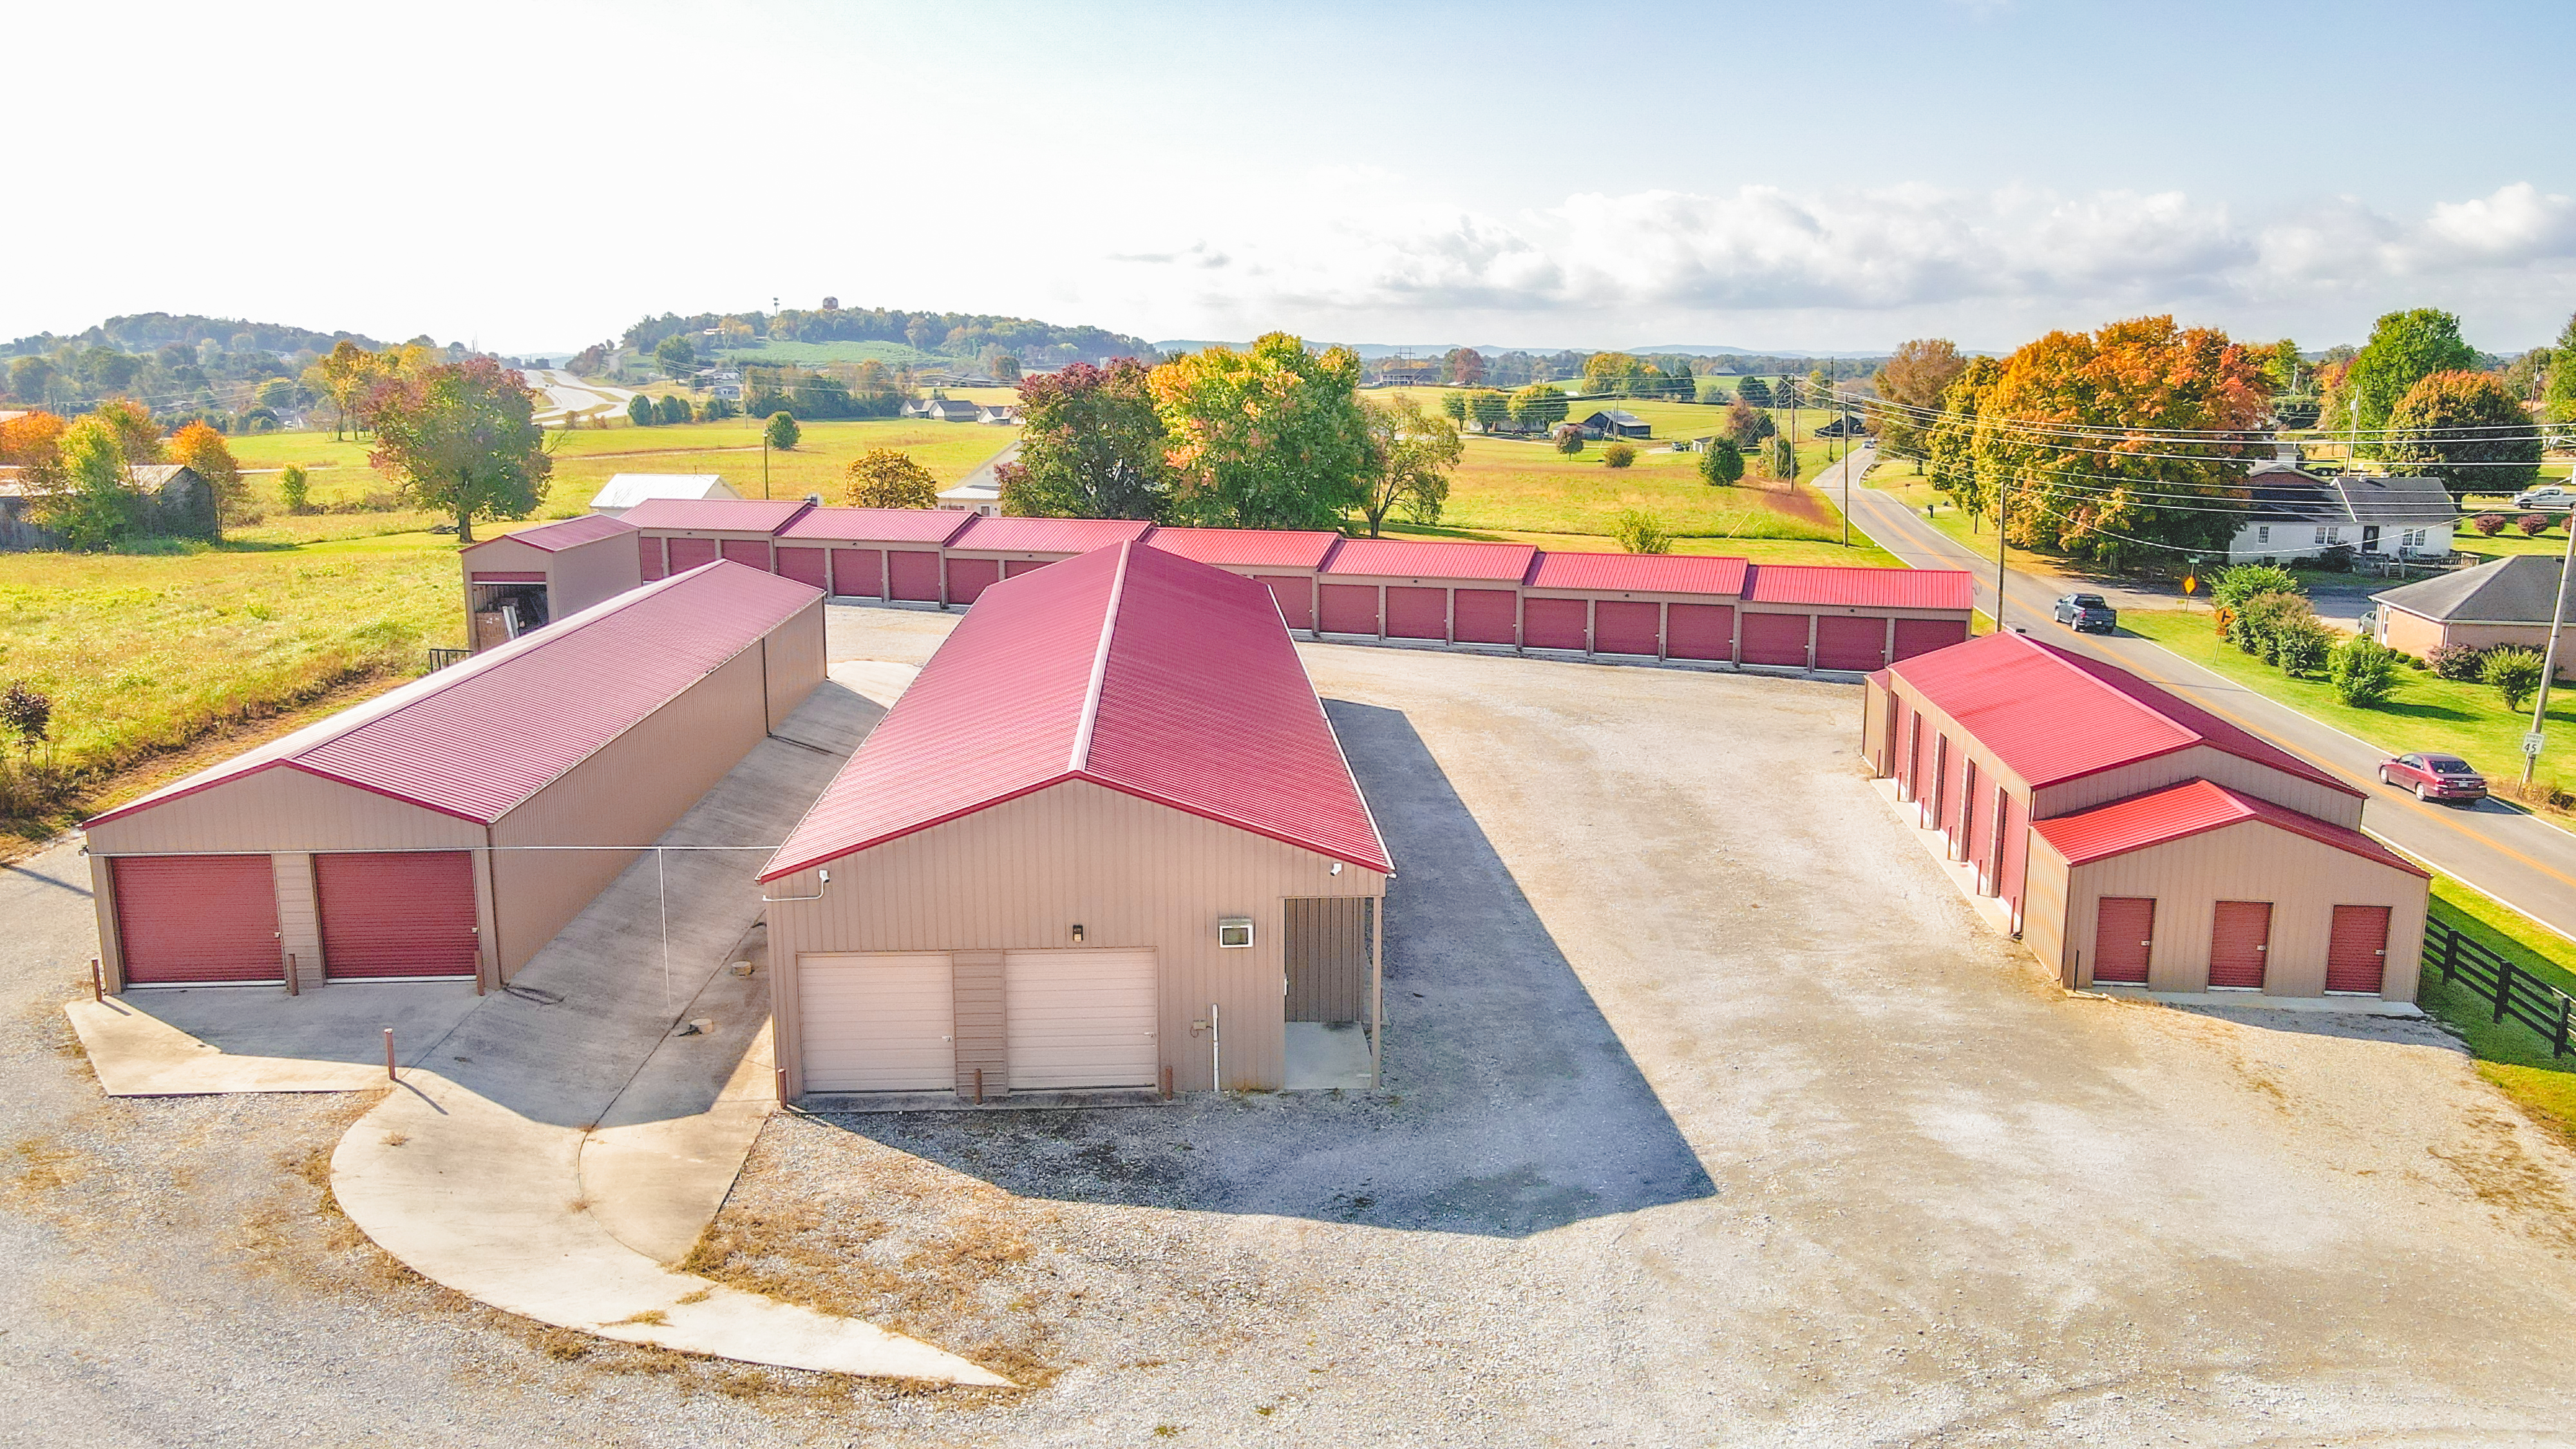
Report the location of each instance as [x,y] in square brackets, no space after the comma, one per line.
[2121,445]
[203,451]
[32,443]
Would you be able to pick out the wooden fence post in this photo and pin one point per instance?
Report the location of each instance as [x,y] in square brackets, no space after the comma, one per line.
[2450,954]
[2558,1043]
[2504,986]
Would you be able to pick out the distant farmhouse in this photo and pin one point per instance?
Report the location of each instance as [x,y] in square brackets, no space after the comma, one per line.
[2297,514]
[1615,423]
[628,489]
[176,504]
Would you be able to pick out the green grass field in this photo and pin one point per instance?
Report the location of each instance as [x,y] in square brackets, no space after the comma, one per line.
[2509,1054]
[815,354]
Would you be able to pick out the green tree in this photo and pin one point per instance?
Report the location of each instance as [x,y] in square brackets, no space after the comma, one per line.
[91,504]
[1269,437]
[2404,349]
[641,412]
[2363,671]
[2559,392]
[1411,454]
[720,408]
[672,409]
[2231,587]
[1614,372]
[782,432]
[2467,430]
[1568,439]
[677,358]
[462,438]
[1488,408]
[1754,390]
[887,478]
[1091,446]
[294,487]
[2514,673]
[1722,463]
[1538,407]
[1746,425]
[1641,532]
[1779,457]
[1453,405]
[203,451]
[1788,393]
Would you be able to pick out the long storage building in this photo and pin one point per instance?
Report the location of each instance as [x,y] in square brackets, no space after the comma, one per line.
[383,842]
[2137,840]
[1154,861]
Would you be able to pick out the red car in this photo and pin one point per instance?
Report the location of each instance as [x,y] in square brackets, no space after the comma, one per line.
[2435,777]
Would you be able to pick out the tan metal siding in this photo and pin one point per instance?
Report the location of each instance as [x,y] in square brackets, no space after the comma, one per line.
[795,661]
[2043,919]
[2303,879]
[2200,762]
[982,1024]
[282,806]
[299,924]
[626,795]
[592,573]
[1022,874]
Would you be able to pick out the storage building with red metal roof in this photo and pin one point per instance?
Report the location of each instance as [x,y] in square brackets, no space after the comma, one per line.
[991,549]
[678,534]
[888,555]
[1284,560]
[389,839]
[2135,839]
[521,581]
[1156,830]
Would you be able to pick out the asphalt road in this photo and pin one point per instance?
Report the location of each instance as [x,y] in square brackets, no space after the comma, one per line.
[2510,854]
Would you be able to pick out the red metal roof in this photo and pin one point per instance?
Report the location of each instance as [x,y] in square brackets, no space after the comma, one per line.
[561,534]
[1047,535]
[1431,559]
[715,515]
[1868,588]
[2194,807]
[2051,715]
[877,525]
[475,740]
[1276,548]
[1638,573]
[1132,668]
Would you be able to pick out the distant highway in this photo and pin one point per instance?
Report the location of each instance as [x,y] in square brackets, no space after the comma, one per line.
[570,399]
[2504,851]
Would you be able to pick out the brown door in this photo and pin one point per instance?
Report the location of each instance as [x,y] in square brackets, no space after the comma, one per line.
[2357,951]
[182,919]
[2240,937]
[2124,935]
[1328,958]
[397,913]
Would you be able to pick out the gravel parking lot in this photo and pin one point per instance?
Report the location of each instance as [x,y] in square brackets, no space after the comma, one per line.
[1713,1117]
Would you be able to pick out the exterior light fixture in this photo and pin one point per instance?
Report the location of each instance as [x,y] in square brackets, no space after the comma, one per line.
[1234,931]
[1337,867]
[1077,935]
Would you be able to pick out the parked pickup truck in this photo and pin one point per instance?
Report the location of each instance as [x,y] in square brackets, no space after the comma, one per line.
[2088,613]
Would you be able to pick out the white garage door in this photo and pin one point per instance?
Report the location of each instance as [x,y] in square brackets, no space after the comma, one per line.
[1081,1019]
[877,1023]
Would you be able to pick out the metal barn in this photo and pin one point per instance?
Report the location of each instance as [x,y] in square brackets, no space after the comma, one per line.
[520,582]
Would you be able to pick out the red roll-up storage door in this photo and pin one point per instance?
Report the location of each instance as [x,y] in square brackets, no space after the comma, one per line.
[1775,639]
[1847,642]
[2240,934]
[1296,596]
[805,566]
[1699,631]
[1416,613]
[192,918]
[2124,934]
[648,552]
[913,575]
[396,913]
[749,552]
[1013,568]
[1350,608]
[2357,951]
[689,553]
[1922,636]
[968,577]
[1484,616]
[858,573]
[1554,623]
[1624,626]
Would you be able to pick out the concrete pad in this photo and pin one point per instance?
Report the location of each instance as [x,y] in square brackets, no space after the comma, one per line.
[1328,1055]
[1962,874]
[199,1041]
[881,682]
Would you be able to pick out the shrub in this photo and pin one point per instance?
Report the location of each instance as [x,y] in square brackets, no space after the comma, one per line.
[2300,646]
[2531,524]
[2232,587]
[2363,671]
[1618,455]
[2488,525]
[2455,661]
[1779,457]
[2515,673]
[1641,532]
[2261,621]
[1723,463]
[674,409]
[641,412]
[2336,560]
[782,432]
[293,486]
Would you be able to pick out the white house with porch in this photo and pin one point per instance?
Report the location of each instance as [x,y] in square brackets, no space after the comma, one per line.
[2294,514]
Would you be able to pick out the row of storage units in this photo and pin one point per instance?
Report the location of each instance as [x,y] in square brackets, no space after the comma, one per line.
[2136,840]
[1459,594]
[449,828]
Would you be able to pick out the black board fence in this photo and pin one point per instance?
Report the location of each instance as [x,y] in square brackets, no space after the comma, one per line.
[2508,990]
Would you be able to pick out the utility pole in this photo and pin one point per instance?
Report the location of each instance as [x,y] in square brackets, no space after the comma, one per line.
[2549,658]
[1846,401]
[2001,491]
[764,462]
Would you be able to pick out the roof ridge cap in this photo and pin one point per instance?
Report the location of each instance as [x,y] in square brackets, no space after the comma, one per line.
[1080,761]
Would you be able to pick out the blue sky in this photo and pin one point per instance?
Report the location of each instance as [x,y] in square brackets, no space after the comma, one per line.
[536,175]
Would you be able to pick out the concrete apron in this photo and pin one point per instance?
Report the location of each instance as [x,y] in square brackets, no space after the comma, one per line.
[561,1147]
